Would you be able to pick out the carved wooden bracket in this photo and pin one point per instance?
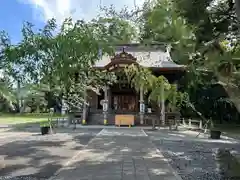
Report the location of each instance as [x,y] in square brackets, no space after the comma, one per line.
[123,56]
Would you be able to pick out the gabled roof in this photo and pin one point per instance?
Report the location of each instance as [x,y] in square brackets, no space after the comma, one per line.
[147,56]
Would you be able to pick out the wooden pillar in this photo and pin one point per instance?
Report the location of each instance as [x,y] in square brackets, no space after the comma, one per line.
[109,99]
[142,106]
[200,124]
[183,121]
[162,105]
[84,113]
[105,106]
[190,122]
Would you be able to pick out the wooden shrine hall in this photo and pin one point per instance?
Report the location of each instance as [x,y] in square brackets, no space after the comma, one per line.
[119,103]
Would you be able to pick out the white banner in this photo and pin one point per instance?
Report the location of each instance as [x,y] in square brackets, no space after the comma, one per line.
[105,106]
[142,107]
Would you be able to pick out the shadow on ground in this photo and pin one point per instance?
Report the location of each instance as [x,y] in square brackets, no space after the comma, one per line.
[39,156]
[31,158]
[106,157]
[118,158]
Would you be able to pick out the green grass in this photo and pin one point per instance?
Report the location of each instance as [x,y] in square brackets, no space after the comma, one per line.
[24,118]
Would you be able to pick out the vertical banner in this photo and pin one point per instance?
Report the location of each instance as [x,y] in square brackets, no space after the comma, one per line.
[105,106]
[64,107]
[142,107]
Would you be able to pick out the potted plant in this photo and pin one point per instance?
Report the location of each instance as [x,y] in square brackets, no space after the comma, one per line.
[44,126]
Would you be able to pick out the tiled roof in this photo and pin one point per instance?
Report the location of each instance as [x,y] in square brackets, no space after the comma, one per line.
[146,58]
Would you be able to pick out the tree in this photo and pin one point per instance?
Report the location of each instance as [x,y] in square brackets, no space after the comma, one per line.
[62,61]
[141,80]
[237,6]
[217,34]
[162,24]
[196,30]
[211,19]
[118,31]
[159,87]
[6,93]
[160,90]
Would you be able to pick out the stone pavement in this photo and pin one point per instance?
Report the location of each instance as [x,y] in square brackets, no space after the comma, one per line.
[118,154]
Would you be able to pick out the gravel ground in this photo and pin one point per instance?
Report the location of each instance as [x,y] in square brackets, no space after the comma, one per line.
[198,160]
[32,156]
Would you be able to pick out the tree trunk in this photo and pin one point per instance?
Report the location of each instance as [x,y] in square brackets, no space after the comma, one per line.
[19,103]
[160,118]
[141,102]
[84,113]
[162,106]
[237,7]
[153,123]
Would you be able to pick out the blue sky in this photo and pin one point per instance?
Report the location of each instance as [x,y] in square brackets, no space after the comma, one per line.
[14,12]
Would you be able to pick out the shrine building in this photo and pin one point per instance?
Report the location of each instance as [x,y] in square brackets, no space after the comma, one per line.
[120,101]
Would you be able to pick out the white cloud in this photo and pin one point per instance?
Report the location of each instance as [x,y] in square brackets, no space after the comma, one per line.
[77,9]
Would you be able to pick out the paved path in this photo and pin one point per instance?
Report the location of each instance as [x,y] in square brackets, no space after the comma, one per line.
[118,154]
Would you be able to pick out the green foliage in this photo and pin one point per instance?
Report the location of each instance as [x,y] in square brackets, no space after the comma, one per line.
[211,19]
[139,77]
[160,85]
[60,64]
[142,78]
[161,24]
[204,36]
[118,31]
[7,96]
[175,97]
[51,64]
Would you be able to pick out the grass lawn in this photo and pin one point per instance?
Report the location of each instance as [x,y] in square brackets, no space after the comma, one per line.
[26,118]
